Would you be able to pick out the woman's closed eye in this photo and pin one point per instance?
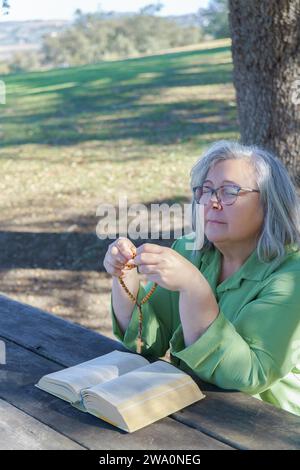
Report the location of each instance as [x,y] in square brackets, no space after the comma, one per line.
[227,189]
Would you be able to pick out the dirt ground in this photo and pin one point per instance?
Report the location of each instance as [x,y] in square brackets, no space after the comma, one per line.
[60,271]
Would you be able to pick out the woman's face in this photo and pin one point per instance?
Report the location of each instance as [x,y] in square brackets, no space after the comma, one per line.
[241,221]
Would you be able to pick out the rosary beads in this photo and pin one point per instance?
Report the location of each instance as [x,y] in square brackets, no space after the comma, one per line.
[139,304]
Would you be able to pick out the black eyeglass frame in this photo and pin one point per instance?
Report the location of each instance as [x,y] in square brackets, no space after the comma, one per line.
[215,191]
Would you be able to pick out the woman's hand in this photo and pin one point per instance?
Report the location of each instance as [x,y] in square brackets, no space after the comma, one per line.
[198,307]
[166,267]
[119,253]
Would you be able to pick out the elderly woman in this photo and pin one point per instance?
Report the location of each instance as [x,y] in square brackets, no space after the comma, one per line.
[229,311]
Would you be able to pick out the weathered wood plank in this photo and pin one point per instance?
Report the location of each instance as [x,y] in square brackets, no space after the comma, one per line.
[19,431]
[232,417]
[52,337]
[255,425]
[24,368]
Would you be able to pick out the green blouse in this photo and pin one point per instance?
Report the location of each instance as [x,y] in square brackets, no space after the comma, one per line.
[254,343]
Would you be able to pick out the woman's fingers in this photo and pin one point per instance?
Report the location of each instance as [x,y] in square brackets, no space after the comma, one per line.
[113,269]
[147,269]
[147,258]
[115,263]
[117,255]
[126,247]
[149,248]
[122,255]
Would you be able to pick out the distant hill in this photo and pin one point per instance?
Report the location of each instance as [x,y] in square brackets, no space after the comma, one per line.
[32,32]
[19,36]
[28,32]
[24,36]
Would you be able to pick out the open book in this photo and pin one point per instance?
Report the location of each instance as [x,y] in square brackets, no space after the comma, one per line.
[124,389]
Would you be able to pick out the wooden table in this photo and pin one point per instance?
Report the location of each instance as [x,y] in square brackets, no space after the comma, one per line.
[38,343]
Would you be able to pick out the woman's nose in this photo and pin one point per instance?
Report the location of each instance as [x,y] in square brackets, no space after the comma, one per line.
[216,203]
[214,197]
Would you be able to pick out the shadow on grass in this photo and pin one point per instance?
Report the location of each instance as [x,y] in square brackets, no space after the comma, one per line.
[106,102]
[74,251]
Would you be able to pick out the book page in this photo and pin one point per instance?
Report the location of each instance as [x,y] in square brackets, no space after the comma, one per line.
[96,371]
[137,382]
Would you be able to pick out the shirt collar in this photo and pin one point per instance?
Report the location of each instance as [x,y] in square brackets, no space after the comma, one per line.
[253,269]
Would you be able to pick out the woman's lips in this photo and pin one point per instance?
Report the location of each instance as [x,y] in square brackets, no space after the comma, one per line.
[215,222]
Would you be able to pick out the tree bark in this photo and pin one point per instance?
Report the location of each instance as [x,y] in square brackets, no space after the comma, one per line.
[266,57]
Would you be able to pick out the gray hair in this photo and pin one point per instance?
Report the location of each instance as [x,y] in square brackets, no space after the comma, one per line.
[278,196]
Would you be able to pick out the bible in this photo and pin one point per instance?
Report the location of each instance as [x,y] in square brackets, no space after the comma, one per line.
[124,389]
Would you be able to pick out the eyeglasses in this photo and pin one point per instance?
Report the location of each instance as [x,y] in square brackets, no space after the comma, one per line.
[226,194]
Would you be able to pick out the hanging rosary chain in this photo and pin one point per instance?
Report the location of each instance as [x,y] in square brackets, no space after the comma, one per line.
[139,304]
[133,298]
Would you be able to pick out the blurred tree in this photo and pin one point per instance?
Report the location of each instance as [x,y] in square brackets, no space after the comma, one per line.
[214,19]
[151,9]
[95,37]
[266,56]
[78,14]
[5,6]
[22,61]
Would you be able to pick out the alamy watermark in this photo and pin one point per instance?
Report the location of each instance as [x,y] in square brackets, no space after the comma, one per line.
[2,352]
[2,92]
[138,221]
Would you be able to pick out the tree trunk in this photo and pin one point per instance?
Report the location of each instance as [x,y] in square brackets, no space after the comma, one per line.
[266,57]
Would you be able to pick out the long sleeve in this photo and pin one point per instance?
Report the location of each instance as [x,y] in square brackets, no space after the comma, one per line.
[258,348]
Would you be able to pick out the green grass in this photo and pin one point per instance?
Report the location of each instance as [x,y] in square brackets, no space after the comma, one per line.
[75,137]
